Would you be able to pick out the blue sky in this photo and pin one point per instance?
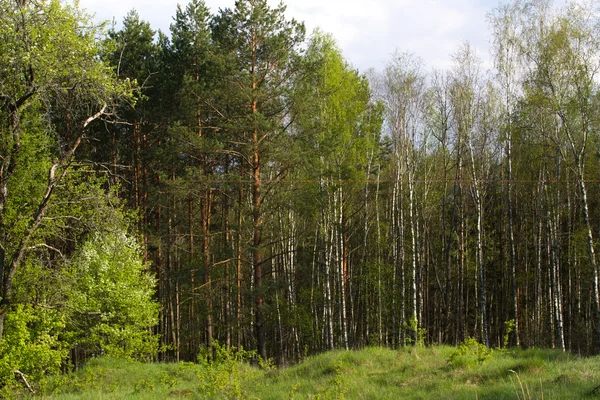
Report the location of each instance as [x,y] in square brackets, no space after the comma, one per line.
[368,32]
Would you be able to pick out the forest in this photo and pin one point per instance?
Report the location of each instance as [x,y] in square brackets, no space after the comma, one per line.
[237,183]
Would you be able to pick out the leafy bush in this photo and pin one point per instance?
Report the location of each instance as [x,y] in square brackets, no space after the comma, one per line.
[225,373]
[470,352]
[111,293]
[411,327]
[31,343]
[509,327]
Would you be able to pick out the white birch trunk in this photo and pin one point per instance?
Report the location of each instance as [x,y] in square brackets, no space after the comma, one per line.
[480,262]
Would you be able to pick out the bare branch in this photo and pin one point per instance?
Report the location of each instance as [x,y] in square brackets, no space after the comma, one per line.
[44,245]
[22,375]
[95,116]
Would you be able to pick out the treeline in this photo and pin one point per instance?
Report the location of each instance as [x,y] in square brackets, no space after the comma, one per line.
[286,202]
[290,204]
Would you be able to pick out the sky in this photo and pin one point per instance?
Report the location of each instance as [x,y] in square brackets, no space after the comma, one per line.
[368,32]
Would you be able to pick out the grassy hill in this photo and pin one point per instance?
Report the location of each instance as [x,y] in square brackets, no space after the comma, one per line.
[467,372]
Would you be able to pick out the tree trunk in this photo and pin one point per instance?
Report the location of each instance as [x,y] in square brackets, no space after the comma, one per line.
[206,204]
[480,259]
[343,264]
[414,322]
[511,238]
[256,250]
[590,247]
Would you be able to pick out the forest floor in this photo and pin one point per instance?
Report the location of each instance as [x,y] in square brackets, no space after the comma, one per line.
[441,372]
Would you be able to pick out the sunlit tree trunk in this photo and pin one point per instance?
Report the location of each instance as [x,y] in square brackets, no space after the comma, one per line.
[480,256]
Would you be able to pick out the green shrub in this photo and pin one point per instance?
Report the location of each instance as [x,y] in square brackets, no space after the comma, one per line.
[111,298]
[225,373]
[411,327]
[509,327]
[469,353]
[31,343]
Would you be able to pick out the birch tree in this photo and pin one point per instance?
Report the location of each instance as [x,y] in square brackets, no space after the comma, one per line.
[404,98]
[467,101]
[563,54]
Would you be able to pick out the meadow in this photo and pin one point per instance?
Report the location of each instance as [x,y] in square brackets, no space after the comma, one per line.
[469,371]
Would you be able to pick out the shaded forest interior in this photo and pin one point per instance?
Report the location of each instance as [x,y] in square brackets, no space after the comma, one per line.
[286,202]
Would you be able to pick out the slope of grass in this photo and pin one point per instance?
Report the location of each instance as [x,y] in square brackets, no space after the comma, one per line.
[373,373]
[426,373]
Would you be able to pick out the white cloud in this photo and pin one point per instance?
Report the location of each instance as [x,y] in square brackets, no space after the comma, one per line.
[368,32]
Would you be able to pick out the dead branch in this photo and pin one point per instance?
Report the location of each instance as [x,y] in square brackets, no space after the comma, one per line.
[22,375]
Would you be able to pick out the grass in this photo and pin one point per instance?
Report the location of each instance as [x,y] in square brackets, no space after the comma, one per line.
[440,372]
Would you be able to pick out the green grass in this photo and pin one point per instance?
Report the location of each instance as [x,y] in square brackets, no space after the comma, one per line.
[439,372]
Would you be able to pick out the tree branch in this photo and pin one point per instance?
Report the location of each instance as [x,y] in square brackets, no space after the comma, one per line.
[22,375]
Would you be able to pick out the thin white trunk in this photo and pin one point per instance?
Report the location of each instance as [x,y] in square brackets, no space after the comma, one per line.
[591,252]
[538,274]
[328,311]
[379,293]
[397,327]
[279,321]
[480,264]
[511,238]
[327,265]
[366,243]
[556,292]
[341,257]
[402,254]
[314,281]
[550,286]
[414,323]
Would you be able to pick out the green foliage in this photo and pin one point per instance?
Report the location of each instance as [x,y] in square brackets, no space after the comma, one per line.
[339,125]
[31,343]
[509,327]
[235,81]
[144,385]
[225,373]
[57,44]
[111,293]
[53,84]
[29,177]
[469,353]
[412,326]
[133,48]
[49,317]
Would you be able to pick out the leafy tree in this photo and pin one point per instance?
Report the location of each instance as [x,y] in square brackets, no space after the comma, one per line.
[337,127]
[50,78]
[49,325]
[405,105]
[560,89]
[109,294]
